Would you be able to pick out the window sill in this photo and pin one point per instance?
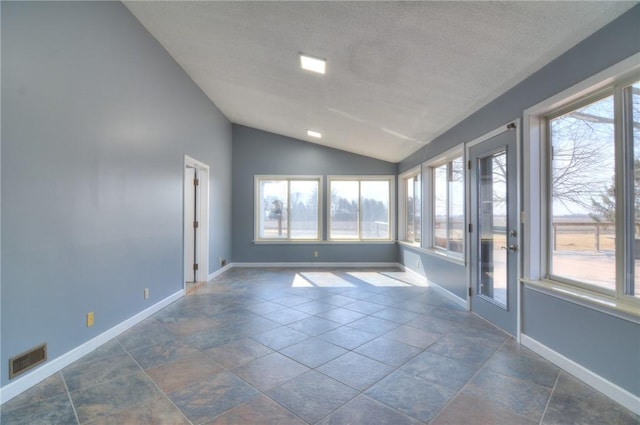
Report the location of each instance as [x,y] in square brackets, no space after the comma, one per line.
[459,260]
[623,309]
[435,253]
[415,245]
[286,242]
[319,242]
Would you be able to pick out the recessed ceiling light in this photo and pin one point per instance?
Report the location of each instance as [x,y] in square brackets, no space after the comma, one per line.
[315,134]
[313,64]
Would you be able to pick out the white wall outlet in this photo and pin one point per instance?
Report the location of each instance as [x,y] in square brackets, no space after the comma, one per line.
[315,254]
[146,293]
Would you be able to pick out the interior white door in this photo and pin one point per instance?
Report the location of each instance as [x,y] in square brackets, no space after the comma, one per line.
[190,231]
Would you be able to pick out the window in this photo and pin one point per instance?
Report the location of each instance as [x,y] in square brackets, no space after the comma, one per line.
[288,208]
[594,206]
[411,198]
[360,208]
[447,206]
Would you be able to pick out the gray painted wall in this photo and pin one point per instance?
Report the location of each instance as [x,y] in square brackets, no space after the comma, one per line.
[97,119]
[444,273]
[259,152]
[553,321]
[608,345]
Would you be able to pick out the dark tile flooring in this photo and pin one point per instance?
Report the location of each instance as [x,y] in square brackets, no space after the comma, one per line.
[292,346]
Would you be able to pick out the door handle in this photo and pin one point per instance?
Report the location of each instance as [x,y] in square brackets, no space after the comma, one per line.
[512,248]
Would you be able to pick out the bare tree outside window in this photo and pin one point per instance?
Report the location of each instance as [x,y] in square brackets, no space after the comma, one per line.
[584,191]
[582,168]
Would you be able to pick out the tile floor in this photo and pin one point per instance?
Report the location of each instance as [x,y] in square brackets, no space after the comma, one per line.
[292,346]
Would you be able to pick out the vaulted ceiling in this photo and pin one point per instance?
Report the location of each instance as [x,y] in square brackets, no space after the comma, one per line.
[398,73]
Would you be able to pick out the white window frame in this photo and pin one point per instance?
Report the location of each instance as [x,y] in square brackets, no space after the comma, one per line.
[392,208]
[402,206]
[258,207]
[536,239]
[428,182]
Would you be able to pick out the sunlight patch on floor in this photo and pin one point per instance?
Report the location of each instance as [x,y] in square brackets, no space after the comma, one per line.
[320,280]
[410,279]
[377,279]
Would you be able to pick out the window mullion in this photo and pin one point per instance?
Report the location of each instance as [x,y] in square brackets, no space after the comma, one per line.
[621,192]
[288,209]
[448,203]
[432,207]
[417,207]
[359,212]
[413,209]
[625,213]
[432,195]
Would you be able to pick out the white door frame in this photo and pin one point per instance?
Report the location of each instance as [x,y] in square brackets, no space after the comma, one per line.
[202,206]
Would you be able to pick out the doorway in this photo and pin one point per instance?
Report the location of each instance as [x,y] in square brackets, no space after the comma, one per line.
[196,221]
[494,227]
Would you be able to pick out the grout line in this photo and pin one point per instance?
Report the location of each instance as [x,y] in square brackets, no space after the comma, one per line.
[553,390]
[469,380]
[156,385]
[259,391]
[64,381]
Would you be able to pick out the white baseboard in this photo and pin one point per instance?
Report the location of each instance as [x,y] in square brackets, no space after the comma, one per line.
[442,291]
[608,388]
[311,264]
[219,271]
[17,387]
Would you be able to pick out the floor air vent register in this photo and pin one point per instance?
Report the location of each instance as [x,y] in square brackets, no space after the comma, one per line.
[27,360]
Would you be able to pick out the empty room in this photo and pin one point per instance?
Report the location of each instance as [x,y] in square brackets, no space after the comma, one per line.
[303,213]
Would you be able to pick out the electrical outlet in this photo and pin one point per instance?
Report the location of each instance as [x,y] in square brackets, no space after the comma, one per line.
[315,254]
[146,293]
[418,263]
[90,319]
[220,261]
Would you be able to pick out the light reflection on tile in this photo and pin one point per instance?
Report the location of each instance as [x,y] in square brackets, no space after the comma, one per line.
[271,370]
[411,395]
[259,411]
[355,370]
[483,411]
[237,353]
[523,397]
[366,411]
[312,396]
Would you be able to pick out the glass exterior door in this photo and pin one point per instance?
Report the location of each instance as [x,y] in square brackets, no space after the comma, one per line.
[494,232]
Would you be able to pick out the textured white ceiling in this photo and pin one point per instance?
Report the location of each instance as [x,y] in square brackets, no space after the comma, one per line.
[398,73]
